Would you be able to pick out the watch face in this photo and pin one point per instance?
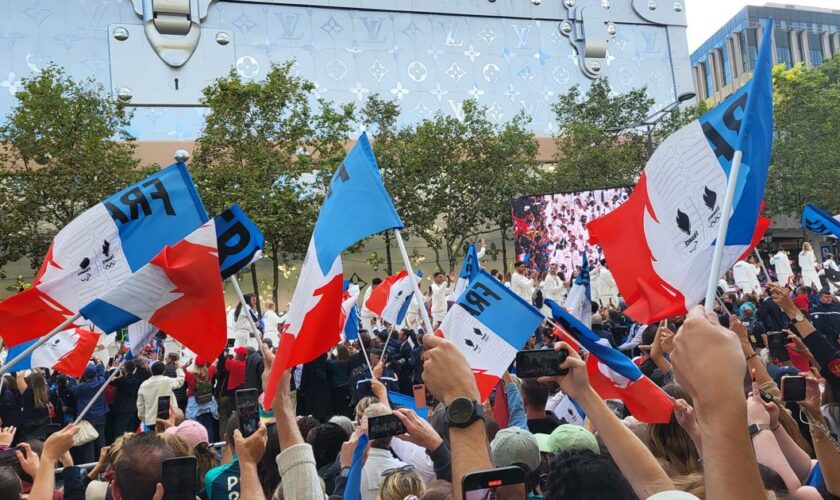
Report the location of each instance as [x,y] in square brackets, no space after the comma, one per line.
[460,411]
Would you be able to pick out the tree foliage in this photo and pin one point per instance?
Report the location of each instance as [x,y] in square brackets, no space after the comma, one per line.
[589,155]
[265,148]
[64,147]
[806,148]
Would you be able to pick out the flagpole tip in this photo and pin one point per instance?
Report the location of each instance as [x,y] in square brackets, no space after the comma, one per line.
[182,155]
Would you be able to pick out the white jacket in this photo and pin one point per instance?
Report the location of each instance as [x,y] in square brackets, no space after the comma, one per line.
[151,389]
[781,263]
[522,286]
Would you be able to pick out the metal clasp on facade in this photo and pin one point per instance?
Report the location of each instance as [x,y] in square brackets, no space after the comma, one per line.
[589,31]
[173,27]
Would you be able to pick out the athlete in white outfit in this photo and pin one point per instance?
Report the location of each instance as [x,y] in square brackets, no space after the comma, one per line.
[781,263]
[808,263]
[746,276]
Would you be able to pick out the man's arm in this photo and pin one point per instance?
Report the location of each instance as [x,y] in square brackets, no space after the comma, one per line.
[448,376]
[729,465]
[636,462]
[250,451]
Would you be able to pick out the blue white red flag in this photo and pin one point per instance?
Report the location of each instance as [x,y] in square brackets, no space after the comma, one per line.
[469,268]
[356,206]
[579,300]
[349,319]
[353,487]
[819,221]
[612,374]
[102,247]
[391,298]
[489,323]
[67,352]
[660,243]
[179,292]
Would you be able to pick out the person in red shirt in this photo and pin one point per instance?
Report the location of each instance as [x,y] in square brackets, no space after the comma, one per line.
[234,368]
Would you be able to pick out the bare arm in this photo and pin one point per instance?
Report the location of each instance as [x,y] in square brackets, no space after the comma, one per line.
[827,454]
[250,451]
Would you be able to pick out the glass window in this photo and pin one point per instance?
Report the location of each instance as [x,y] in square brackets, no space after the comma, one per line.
[783,47]
[746,64]
[727,71]
[707,78]
[815,48]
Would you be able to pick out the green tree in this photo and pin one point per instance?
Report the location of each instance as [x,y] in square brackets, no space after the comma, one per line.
[806,149]
[64,147]
[265,148]
[589,155]
[455,177]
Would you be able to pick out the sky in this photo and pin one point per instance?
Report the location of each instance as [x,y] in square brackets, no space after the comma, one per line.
[707,16]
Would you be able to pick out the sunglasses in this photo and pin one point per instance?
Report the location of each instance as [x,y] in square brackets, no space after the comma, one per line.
[404,468]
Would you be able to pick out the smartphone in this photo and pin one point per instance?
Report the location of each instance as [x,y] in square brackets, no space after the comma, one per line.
[248,411]
[540,363]
[179,478]
[8,456]
[385,426]
[504,483]
[419,395]
[793,388]
[776,342]
[163,407]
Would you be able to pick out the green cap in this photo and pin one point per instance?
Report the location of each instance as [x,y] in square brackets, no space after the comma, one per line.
[567,437]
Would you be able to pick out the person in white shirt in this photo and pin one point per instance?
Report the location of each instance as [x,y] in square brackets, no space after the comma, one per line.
[746,276]
[781,263]
[520,283]
[441,289]
[808,264]
[154,387]
[552,286]
[366,315]
[603,286]
[271,322]
[830,265]
[634,337]
[241,326]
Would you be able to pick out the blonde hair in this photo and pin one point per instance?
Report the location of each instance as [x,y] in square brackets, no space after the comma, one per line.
[401,484]
[177,443]
[806,247]
[115,451]
[362,405]
[40,392]
[691,483]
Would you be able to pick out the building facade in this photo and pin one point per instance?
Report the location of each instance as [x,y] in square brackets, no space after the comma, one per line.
[725,61]
[510,55]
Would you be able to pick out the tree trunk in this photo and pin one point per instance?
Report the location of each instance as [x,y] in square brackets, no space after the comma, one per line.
[256,287]
[388,263]
[504,254]
[275,281]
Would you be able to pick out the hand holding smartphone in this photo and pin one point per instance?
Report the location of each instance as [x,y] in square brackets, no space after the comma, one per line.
[385,426]
[793,388]
[504,483]
[540,363]
[163,408]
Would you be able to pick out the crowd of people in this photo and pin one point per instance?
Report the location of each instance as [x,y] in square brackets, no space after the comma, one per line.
[732,434]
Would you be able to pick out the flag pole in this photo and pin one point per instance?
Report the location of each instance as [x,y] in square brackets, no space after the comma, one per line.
[418,295]
[246,307]
[362,345]
[98,393]
[26,352]
[720,241]
[763,267]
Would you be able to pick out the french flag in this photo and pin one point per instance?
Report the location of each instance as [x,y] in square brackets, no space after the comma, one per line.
[488,324]
[67,352]
[469,268]
[180,290]
[660,242]
[356,206]
[611,374]
[579,301]
[349,319]
[391,298]
[101,248]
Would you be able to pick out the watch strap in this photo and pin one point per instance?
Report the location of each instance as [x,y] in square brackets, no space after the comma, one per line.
[756,428]
[477,414]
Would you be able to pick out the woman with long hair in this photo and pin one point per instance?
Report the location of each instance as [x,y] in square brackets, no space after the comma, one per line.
[34,403]
[671,444]
[808,264]
[201,402]
[401,483]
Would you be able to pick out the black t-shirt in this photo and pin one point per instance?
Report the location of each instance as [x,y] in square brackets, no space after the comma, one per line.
[755,329]
[544,425]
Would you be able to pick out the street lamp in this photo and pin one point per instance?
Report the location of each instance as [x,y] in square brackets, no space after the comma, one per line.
[653,120]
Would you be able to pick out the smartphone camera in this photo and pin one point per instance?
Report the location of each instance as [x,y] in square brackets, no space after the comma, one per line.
[385,426]
[248,411]
[541,363]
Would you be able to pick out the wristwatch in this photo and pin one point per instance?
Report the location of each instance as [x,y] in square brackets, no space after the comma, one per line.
[756,428]
[344,472]
[799,317]
[462,412]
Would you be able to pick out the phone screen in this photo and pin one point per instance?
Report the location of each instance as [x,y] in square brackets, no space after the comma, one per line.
[540,363]
[163,407]
[505,483]
[776,342]
[248,411]
[793,388]
[179,478]
[385,426]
